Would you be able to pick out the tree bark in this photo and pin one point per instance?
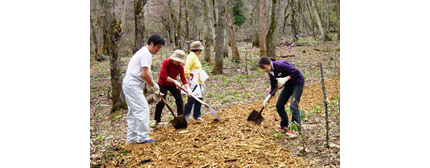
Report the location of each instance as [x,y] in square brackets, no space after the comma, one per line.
[262,28]
[318,18]
[234,50]
[294,20]
[97,55]
[104,25]
[187,27]
[285,17]
[338,19]
[219,45]
[174,24]
[179,27]
[325,107]
[139,24]
[256,18]
[227,32]
[270,41]
[113,33]
[212,16]
[208,32]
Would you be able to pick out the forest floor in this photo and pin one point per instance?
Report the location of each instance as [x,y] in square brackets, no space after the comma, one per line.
[233,142]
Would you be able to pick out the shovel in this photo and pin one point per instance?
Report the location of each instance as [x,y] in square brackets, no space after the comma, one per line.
[177,122]
[256,115]
[202,102]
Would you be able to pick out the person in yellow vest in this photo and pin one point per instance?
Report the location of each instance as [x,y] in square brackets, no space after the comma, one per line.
[196,77]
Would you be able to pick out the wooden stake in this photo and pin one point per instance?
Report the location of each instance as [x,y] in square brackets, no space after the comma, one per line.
[325,106]
[246,63]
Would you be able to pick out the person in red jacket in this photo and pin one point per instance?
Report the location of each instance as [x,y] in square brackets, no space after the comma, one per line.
[170,69]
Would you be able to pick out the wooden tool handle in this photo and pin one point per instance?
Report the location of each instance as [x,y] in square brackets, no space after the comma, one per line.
[271,95]
[170,109]
[200,101]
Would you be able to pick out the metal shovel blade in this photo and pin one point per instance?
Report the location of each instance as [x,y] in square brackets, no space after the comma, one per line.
[259,119]
[253,115]
[214,113]
[256,117]
[179,122]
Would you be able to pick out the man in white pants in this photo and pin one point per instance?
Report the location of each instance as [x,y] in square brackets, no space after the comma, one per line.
[138,74]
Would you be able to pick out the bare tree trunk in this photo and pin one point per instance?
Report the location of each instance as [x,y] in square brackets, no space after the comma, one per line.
[262,28]
[270,41]
[179,27]
[214,13]
[139,24]
[219,45]
[226,36]
[318,18]
[212,16]
[285,17]
[208,39]
[174,23]
[113,33]
[327,17]
[227,40]
[104,26]
[93,14]
[187,27]
[256,18]
[294,20]
[234,49]
[338,19]
[306,20]
[233,44]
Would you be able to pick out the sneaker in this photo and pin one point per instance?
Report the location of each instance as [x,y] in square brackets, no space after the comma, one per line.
[154,124]
[292,134]
[199,119]
[282,128]
[147,141]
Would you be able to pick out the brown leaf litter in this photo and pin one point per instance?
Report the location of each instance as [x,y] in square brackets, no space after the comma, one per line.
[231,142]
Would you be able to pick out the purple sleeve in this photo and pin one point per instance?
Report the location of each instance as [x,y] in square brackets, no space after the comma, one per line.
[290,69]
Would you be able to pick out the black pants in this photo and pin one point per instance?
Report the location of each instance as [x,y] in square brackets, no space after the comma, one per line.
[295,92]
[178,99]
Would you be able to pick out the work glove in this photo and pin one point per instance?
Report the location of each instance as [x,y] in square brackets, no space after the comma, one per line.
[176,83]
[189,91]
[266,101]
[157,93]
[281,81]
[155,88]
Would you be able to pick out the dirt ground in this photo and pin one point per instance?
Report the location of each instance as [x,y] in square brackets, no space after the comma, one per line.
[233,142]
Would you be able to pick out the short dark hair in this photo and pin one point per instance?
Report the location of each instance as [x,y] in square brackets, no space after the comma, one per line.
[194,50]
[264,60]
[156,39]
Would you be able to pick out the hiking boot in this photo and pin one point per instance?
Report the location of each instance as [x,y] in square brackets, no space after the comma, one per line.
[147,141]
[199,119]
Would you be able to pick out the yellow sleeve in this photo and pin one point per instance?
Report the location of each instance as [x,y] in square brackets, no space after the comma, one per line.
[188,63]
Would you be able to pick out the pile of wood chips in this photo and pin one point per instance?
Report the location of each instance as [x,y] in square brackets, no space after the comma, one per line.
[231,142]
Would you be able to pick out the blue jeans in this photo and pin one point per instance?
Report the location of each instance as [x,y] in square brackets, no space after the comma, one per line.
[189,106]
[295,92]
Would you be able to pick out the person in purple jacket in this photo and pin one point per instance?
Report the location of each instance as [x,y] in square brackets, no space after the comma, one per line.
[283,73]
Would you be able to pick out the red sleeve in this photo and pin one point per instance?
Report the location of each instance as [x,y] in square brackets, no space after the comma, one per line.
[163,70]
[183,79]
